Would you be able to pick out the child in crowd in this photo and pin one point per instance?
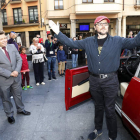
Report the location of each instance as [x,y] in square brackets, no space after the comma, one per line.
[24,69]
[61,57]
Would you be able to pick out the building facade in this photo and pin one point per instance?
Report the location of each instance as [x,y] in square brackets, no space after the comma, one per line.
[72,14]
[24,17]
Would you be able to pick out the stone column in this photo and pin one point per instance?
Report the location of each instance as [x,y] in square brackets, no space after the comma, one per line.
[27,39]
[41,34]
[119,26]
[73,28]
[44,36]
[124,26]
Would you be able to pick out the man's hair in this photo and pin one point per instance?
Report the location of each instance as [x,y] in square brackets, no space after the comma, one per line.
[2,32]
[60,44]
[21,48]
[48,35]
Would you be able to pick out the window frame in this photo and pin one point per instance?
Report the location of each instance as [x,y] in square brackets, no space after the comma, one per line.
[18,22]
[4,11]
[58,5]
[87,1]
[33,7]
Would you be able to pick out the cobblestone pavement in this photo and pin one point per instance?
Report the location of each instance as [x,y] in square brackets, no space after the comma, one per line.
[49,120]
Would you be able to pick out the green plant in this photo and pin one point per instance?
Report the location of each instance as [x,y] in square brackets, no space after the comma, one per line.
[23,21]
[15,22]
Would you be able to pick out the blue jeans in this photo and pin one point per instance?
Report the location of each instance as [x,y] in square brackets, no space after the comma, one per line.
[51,66]
[74,60]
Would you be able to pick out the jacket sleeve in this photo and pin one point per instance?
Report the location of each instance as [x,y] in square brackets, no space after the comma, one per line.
[46,44]
[58,57]
[130,43]
[42,48]
[10,40]
[5,73]
[78,44]
[19,61]
[32,50]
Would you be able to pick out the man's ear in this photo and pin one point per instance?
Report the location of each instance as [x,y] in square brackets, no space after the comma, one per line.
[95,28]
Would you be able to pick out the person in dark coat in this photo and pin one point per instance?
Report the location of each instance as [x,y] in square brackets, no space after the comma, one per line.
[12,36]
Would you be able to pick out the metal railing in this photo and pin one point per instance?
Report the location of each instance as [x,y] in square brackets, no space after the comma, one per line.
[3,2]
[25,19]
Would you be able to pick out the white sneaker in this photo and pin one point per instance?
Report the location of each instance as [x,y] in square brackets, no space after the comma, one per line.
[11,97]
[43,83]
[37,84]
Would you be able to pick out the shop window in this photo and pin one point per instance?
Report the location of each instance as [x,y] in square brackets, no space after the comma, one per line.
[87,1]
[17,15]
[108,0]
[33,14]
[4,17]
[138,2]
[58,4]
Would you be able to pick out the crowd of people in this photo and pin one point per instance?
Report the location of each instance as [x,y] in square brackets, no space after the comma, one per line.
[17,68]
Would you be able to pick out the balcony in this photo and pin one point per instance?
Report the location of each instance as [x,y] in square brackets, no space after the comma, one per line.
[3,2]
[24,21]
[137,5]
[30,0]
[98,8]
[15,2]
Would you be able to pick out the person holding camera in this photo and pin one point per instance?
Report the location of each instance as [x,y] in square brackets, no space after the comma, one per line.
[12,36]
[50,46]
[37,50]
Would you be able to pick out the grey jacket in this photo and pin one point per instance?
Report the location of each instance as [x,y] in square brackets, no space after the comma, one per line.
[7,67]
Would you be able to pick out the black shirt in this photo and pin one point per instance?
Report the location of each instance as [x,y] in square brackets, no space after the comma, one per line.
[100,44]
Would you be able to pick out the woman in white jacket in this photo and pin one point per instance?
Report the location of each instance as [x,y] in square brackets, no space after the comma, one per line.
[37,50]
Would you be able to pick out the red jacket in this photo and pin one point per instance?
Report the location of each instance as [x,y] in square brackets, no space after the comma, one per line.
[24,62]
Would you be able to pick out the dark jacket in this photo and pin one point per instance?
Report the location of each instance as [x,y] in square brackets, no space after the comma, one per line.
[109,59]
[12,41]
[61,55]
[50,48]
[74,51]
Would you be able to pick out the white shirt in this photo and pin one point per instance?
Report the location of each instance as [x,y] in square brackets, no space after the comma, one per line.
[3,50]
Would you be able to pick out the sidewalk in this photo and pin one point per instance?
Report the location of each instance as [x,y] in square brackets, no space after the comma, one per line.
[49,120]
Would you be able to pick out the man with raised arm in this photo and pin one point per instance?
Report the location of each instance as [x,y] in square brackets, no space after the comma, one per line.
[103,56]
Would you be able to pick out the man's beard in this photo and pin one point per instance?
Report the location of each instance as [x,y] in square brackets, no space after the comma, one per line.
[102,33]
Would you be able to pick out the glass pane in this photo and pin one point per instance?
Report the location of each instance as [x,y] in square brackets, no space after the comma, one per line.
[15,11]
[138,2]
[111,0]
[84,0]
[89,0]
[105,0]
[56,3]
[60,3]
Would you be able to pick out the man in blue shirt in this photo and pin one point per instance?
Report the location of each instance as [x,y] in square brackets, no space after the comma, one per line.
[103,56]
[50,46]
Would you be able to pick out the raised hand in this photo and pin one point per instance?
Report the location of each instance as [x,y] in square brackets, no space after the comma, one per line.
[54,27]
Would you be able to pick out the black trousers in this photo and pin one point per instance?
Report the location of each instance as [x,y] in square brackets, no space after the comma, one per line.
[39,72]
[104,93]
